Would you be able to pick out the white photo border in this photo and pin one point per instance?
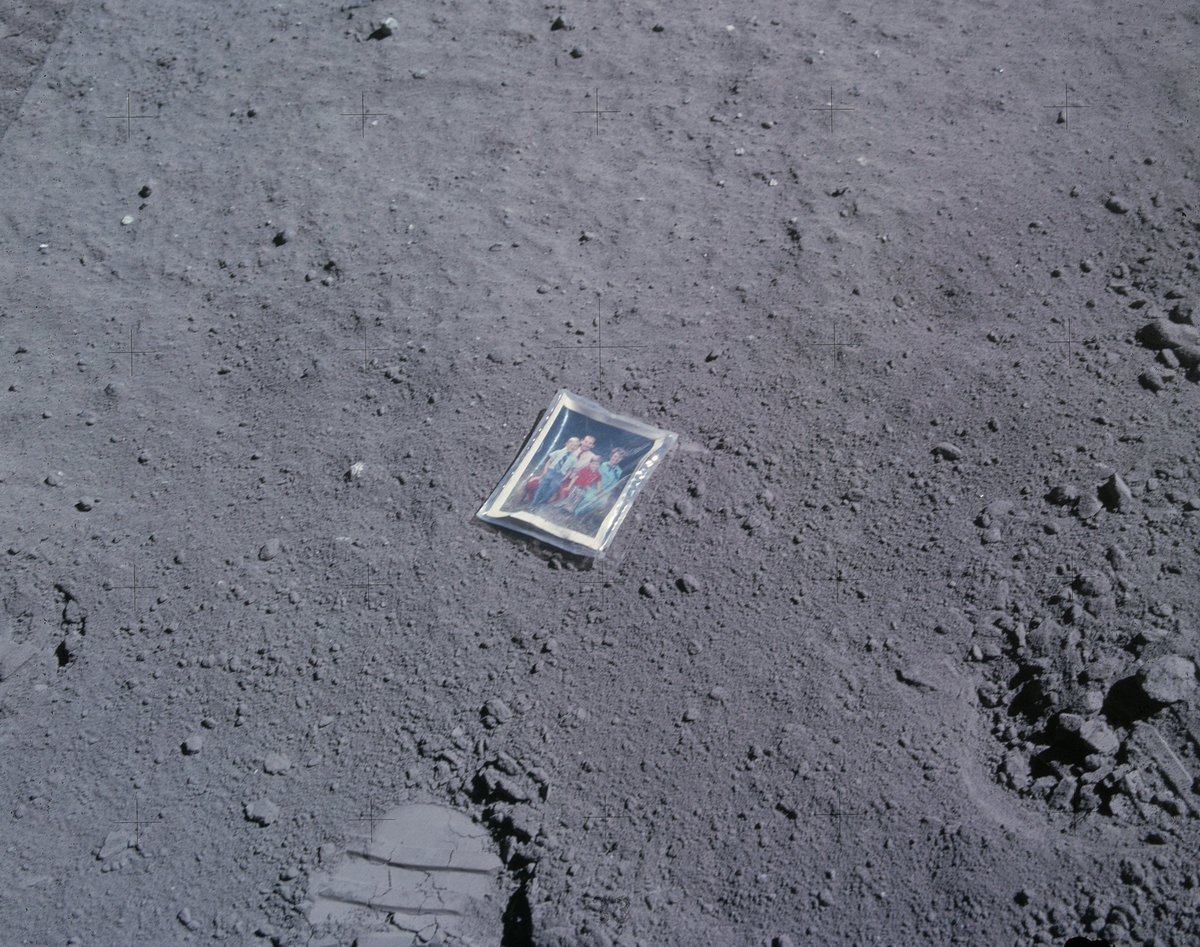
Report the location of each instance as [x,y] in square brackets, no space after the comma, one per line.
[572,540]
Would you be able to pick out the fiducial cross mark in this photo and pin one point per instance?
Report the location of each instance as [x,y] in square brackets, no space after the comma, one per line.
[596,111]
[137,821]
[131,352]
[370,816]
[129,118]
[133,591]
[1065,107]
[367,586]
[362,114]
[600,346]
[831,108]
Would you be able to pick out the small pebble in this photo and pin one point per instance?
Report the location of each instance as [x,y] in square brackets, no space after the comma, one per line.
[193,744]
[126,220]
[386,28]
[261,812]
[1117,205]
[1152,380]
[274,763]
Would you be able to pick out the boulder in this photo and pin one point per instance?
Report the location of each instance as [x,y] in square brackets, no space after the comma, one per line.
[1169,679]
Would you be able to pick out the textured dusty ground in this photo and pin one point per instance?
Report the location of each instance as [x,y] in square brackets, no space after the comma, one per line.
[897,648]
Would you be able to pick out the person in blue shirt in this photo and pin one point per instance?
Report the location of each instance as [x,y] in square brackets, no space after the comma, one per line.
[597,496]
[559,464]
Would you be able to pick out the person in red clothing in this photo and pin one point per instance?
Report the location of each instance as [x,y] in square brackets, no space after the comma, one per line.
[579,482]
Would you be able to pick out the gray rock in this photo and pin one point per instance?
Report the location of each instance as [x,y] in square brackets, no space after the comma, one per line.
[116,842]
[1092,585]
[274,763]
[1168,679]
[1064,494]
[269,550]
[193,744]
[999,508]
[261,812]
[498,709]
[1164,334]
[387,27]
[947,451]
[1118,205]
[1152,380]
[1114,493]
[1188,355]
[687,583]
[1099,737]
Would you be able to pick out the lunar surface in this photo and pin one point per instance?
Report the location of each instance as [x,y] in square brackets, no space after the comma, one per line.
[897,647]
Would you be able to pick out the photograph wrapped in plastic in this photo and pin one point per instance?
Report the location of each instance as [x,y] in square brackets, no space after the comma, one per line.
[577,476]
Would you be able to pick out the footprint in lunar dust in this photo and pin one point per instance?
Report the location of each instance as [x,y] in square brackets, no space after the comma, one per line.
[993,803]
[940,682]
[425,871]
[27,33]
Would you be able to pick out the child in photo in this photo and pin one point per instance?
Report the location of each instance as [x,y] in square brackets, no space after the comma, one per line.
[582,479]
[597,497]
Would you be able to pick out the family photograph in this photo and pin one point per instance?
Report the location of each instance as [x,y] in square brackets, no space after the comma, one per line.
[578,480]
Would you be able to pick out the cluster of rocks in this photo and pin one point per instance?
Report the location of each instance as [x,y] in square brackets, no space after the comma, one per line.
[1177,342]
[1081,703]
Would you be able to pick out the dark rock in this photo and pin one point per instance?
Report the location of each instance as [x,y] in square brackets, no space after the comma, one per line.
[1114,493]
[1118,205]
[1164,334]
[1063,495]
[385,29]
[1182,313]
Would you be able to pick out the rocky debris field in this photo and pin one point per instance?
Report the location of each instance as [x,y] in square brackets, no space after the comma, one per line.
[898,647]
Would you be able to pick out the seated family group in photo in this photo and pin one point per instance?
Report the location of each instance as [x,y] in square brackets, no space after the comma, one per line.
[575,480]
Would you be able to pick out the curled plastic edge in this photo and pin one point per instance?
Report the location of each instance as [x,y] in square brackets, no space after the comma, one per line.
[571,415]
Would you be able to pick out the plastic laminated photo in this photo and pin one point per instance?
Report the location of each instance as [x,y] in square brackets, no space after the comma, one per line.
[575,480]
